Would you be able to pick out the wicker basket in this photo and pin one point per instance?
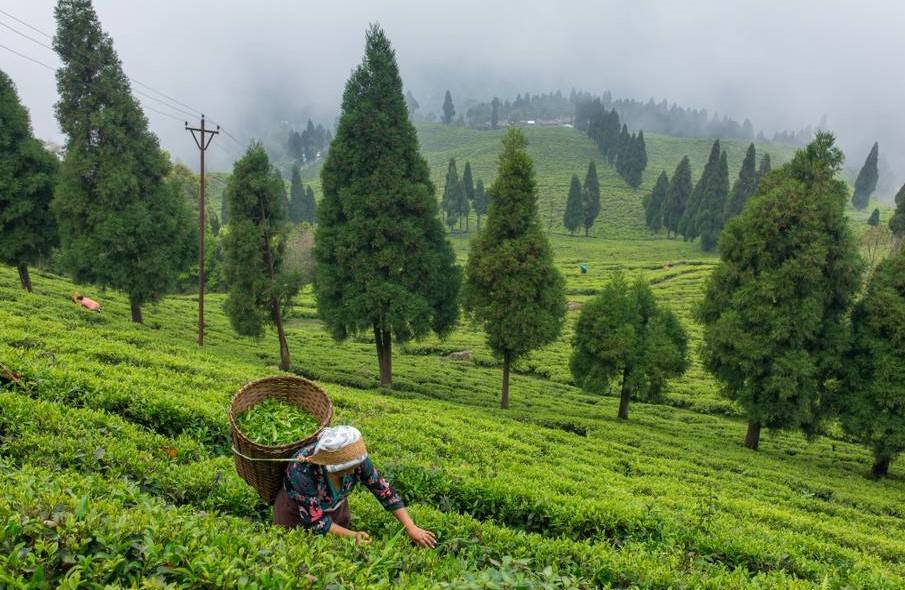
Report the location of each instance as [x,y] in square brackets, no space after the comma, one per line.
[263,466]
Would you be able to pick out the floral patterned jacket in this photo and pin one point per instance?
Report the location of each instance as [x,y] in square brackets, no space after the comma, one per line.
[307,485]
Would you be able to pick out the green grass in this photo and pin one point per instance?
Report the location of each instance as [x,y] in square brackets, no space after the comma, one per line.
[115,464]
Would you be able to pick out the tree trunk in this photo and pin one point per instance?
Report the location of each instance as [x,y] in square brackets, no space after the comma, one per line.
[24,277]
[624,397]
[383,340]
[881,466]
[504,399]
[137,317]
[281,334]
[752,438]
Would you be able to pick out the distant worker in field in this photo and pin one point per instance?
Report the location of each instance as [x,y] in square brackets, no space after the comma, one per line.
[316,487]
[85,302]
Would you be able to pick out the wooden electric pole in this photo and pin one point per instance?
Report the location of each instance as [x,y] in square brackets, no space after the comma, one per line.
[203,137]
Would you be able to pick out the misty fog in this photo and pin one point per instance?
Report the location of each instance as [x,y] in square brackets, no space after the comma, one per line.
[250,65]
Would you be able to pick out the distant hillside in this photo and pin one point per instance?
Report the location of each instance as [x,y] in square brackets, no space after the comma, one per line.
[558,153]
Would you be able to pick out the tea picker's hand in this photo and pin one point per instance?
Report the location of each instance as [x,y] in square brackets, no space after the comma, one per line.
[421,537]
[361,538]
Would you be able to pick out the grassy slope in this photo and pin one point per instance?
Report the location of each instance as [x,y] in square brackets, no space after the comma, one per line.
[669,499]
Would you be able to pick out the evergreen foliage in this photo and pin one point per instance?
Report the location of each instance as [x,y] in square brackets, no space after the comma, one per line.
[744,186]
[27,175]
[453,195]
[122,224]
[449,110]
[259,292]
[710,218]
[708,181]
[874,219]
[623,334]
[573,218]
[677,197]
[897,221]
[383,262]
[468,190]
[590,193]
[654,203]
[481,201]
[866,182]
[513,289]
[776,307]
[296,197]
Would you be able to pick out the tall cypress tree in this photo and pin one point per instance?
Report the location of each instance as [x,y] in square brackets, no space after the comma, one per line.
[874,219]
[122,224]
[765,166]
[494,113]
[744,186]
[709,222]
[513,288]
[468,190]
[451,195]
[383,260]
[776,307]
[449,110]
[259,292]
[623,150]
[655,202]
[27,175]
[897,222]
[590,193]
[636,161]
[680,189]
[296,197]
[481,201]
[688,227]
[866,183]
[310,209]
[573,218]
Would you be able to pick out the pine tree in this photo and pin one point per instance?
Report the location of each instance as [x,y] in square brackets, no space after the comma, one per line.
[590,193]
[874,219]
[897,222]
[449,110]
[636,162]
[451,195]
[709,222]
[776,307]
[623,150]
[654,203]
[513,288]
[309,211]
[623,334]
[259,292]
[688,226]
[866,183]
[872,394]
[296,197]
[382,258]
[468,189]
[677,197]
[411,104]
[122,224]
[27,175]
[573,218]
[765,166]
[494,113]
[481,201]
[744,186]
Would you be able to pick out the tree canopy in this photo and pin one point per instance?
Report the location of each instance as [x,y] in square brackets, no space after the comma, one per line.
[866,182]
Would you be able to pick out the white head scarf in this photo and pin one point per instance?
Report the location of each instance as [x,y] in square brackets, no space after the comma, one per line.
[335,438]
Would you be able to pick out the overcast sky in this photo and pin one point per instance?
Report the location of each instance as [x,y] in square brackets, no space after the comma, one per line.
[782,63]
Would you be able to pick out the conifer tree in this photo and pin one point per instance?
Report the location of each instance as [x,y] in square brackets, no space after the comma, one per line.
[710,218]
[874,219]
[789,260]
[481,201]
[680,189]
[866,183]
[309,214]
[623,150]
[513,289]
[27,175]
[494,113]
[573,218]
[636,162]
[383,262]
[449,110]
[591,197]
[296,197]
[258,291]
[122,223]
[897,221]
[655,202]
[468,190]
[872,394]
[688,227]
[451,195]
[744,186]
[765,166]
[622,334]
[411,103]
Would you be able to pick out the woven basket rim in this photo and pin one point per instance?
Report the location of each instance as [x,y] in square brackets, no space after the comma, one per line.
[277,450]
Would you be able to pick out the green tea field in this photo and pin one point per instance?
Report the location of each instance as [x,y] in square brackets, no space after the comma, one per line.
[116,467]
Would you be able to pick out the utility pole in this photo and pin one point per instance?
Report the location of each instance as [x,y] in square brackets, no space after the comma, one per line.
[203,137]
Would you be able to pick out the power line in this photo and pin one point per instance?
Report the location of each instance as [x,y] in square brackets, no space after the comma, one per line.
[29,37]
[31,59]
[153,110]
[22,22]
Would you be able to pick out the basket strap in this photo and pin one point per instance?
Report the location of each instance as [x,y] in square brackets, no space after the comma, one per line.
[289,460]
